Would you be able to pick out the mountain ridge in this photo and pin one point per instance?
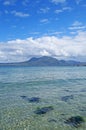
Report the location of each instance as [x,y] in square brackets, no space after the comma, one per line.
[46,61]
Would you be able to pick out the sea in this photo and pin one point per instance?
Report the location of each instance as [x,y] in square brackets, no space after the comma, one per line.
[26,90]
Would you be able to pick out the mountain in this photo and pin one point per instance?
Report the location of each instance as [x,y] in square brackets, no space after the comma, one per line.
[45,61]
[49,61]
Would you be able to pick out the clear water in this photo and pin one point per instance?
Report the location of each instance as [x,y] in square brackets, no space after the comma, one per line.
[48,83]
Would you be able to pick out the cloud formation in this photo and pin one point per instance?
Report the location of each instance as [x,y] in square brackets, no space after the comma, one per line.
[78,1]
[6,3]
[44,10]
[44,20]
[58,1]
[77,26]
[62,48]
[19,14]
[9,2]
[63,9]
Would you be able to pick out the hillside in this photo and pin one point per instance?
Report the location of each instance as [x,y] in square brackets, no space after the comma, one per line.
[45,61]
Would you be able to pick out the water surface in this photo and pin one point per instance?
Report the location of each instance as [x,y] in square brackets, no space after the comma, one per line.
[51,85]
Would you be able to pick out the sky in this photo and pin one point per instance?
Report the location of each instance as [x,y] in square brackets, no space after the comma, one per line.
[35,28]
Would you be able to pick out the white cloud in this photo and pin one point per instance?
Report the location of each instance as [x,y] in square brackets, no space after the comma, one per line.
[63,9]
[78,1]
[54,33]
[62,48]
[25,2]
[20,14]
[67,8]
[58,11]
[34,33]
[58,1]
[77,23]
[77,26]
[44,20]
[6,3]
[9,2]
[44,10]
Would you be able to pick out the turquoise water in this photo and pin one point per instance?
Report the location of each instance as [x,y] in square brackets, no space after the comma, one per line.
[51,85]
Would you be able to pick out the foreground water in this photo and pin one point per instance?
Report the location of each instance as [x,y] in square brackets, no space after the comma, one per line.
[63,88]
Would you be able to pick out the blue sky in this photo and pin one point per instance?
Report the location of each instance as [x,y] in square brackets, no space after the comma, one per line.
[29,27]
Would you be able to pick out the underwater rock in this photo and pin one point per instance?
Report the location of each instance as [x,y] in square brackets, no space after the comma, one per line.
[75,121]
[31,100]
[66,98]
[43,110]
[34,99]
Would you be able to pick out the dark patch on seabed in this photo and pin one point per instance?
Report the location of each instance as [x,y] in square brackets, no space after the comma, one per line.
[67,98]
[43,110]
[75,121]
[32,99]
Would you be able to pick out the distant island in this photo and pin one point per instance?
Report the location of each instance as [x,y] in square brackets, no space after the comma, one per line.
[45,61]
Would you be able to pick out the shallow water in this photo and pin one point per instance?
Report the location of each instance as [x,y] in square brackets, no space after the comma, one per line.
[51,85]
